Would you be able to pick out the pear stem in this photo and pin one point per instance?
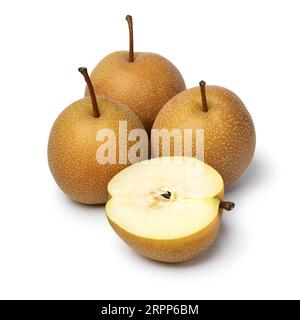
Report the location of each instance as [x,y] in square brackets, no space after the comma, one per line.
[130,26]
[87,79]
[203,96]
[227,205]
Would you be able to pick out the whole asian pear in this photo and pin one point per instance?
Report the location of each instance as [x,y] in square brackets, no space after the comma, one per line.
[143,81]
[74,144]
[229,133]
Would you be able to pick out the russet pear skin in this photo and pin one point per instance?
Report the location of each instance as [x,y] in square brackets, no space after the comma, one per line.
[72,148]
[144,85]
[229,133]
[174,250]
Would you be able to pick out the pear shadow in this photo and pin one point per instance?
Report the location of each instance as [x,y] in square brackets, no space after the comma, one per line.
[256,174]
[85,206]
[82,207]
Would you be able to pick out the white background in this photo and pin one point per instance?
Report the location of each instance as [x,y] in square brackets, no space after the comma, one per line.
[51,247]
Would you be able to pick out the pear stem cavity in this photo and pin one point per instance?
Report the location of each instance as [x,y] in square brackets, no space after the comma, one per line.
[203,96]
[130,26]
[227,205]
[87,79]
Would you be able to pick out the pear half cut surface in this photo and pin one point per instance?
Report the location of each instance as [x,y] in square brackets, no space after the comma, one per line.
[167,209]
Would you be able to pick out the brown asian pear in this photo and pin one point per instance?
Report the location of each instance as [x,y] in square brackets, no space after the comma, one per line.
[143,81]
[229,133]
[73,145]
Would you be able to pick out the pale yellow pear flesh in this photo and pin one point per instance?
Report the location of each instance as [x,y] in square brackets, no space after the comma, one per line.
[229,133]
[171,229]
[144,85]
[72,148]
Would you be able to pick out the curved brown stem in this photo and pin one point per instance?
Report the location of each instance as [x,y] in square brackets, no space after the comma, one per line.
[130,26]
[203,95]
[87,79]
[227,205]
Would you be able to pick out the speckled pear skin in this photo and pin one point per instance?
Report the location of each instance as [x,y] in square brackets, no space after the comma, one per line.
[72,148]
[144,85]
[229,133]
[175,250]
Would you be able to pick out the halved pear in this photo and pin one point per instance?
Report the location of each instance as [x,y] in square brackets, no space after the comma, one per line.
[168,209]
